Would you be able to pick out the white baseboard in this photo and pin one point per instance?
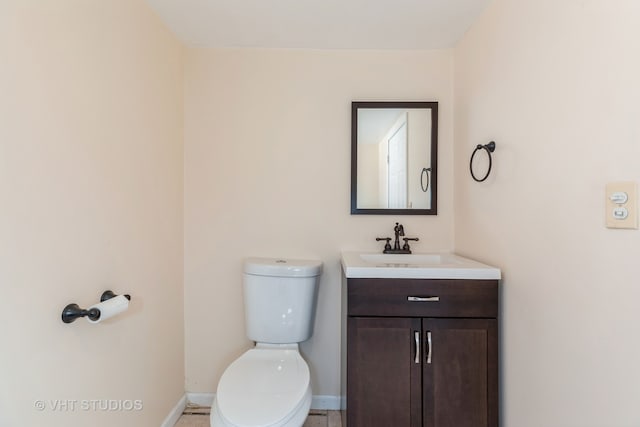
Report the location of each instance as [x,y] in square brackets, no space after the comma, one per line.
[175,413]
[318,402]
[200,399]
[331,403]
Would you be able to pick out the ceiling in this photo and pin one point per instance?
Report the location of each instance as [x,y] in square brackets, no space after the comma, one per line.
[320,24]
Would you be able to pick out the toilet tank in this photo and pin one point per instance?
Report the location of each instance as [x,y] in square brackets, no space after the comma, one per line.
[280,299]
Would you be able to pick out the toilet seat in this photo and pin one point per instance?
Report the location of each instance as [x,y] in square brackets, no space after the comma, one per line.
[268,386]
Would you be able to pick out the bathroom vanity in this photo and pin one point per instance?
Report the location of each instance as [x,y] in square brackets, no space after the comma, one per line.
[421,339]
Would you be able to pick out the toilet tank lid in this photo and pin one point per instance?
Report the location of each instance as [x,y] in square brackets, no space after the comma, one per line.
[282,267]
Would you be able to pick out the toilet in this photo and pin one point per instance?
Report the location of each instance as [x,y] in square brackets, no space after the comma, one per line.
[268,385]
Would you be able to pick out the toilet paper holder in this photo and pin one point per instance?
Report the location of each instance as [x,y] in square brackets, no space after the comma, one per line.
[72,311]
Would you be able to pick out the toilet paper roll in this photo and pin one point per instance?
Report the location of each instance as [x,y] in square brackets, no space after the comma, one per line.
[110,308]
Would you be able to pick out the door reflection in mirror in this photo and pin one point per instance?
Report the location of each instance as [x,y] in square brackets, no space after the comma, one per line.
[396,175]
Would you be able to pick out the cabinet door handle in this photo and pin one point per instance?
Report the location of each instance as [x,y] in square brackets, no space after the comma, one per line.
[423,299]
[429,347]
[416,335]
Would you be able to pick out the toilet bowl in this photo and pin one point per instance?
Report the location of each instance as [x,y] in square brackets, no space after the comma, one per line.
[269,385]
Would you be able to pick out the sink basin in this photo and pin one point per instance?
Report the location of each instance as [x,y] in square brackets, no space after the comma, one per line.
[404,259]
[415,266]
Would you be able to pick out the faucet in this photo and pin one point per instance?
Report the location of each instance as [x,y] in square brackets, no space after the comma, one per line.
[399,232]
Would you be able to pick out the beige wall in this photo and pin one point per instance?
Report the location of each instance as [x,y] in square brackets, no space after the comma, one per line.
[555,83]
[267,149]
[91,198]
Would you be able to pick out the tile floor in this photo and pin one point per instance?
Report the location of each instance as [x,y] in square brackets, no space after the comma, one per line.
[199,417]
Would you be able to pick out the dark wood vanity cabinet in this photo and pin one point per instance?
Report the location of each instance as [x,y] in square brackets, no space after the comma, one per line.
[422,353]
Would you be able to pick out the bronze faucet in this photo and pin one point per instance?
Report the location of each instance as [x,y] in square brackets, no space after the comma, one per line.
[399,232]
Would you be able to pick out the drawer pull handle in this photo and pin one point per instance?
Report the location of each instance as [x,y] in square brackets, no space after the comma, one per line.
[429,349]
[423,299]
[416,335]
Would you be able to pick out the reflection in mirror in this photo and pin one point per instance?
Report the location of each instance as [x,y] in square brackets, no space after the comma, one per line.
[394,148]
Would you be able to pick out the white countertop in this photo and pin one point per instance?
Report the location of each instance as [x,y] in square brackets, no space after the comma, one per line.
[415,266]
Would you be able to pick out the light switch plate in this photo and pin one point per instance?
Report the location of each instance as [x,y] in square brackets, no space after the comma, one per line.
[614,220]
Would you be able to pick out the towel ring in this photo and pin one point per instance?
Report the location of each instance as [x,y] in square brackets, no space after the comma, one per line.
[489,148]
[424,170]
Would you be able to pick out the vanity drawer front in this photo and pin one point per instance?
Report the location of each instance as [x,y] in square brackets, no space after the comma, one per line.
[422,298]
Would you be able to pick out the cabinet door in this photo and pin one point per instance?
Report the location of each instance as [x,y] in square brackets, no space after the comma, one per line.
[384,376]
[460,373]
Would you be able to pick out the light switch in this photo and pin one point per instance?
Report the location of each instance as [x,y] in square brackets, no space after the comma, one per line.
[620,213]
[619,197]
[622,205]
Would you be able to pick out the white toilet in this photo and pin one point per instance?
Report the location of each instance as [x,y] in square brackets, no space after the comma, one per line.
[268,386]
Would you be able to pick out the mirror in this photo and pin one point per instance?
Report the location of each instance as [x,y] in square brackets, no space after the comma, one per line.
[394,158]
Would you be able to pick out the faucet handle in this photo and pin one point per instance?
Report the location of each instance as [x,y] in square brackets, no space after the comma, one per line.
[406,243]
[387,246]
